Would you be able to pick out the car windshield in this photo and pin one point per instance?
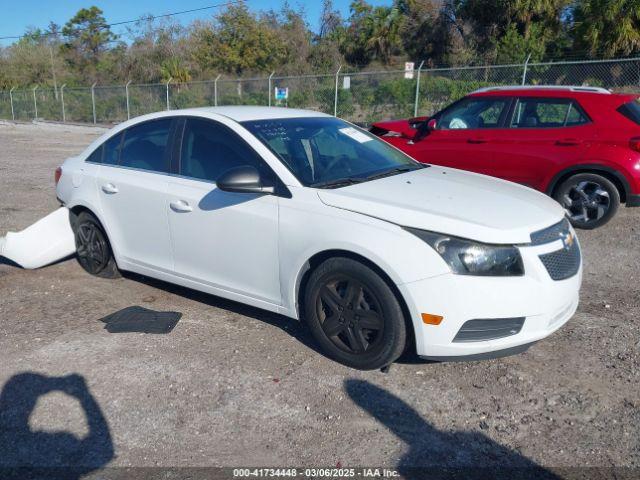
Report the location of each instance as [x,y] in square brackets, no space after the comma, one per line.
[325,152]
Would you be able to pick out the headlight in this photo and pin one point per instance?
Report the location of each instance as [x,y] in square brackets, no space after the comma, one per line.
[466,257]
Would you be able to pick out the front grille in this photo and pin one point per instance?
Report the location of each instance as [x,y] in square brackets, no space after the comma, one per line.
[564,263]
[550,234]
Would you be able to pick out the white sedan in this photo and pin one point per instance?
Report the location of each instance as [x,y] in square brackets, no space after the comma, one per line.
[303,214]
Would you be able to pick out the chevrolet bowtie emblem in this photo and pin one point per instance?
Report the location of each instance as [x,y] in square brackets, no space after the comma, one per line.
[567,240]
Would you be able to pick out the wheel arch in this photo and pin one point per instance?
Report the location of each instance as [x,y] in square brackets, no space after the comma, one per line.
[617,178]
[316,259]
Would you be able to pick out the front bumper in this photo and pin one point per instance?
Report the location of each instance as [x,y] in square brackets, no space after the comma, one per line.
[546,305]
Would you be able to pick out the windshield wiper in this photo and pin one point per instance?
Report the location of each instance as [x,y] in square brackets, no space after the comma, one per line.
[393,171]
[343,182]
[339,182]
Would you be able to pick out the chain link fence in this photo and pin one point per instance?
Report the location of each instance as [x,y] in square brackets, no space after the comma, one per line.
[361,97]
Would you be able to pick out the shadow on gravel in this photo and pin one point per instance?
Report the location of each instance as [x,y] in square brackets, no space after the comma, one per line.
[435,454]
[140,320]
[293,327]
[28,454]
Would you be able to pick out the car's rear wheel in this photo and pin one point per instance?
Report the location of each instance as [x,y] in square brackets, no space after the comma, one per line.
[354,315]
[92,247]
[589,199]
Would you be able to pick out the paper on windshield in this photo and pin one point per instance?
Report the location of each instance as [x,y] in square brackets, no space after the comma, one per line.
[355,134]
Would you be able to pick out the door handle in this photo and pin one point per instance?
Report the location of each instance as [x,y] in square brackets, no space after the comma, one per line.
[180,206]
[567,142]
[476,140]
[109,188]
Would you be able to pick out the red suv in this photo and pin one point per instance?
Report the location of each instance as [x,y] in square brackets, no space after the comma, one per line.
[581,145]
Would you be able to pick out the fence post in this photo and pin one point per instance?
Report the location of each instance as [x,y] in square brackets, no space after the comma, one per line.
[13,115]
[64,115]
[215,90]
[168,82]
[270,77]
[524,73]
[415,107]
[126,92]
[93,101]
[35,102]
[335,98]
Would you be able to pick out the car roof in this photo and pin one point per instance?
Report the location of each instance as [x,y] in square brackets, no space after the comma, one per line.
[242,113]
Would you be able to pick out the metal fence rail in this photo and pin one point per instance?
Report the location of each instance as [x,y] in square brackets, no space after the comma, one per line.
[357,96]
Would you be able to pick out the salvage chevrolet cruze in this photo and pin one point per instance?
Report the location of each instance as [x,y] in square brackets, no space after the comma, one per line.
[303,214]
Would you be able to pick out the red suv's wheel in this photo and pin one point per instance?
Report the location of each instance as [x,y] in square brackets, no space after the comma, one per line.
[590,200]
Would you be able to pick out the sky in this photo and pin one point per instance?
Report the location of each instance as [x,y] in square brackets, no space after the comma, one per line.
[17,16]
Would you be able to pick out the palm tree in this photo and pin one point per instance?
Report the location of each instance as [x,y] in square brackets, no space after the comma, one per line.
[383,28]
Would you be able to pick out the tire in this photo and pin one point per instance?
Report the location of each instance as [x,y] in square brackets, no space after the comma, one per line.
[354,315]
[93,249]
[589,199]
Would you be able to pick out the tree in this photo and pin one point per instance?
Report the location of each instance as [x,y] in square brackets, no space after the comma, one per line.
[330,19]
[383,32]
[237,42]
[87,37]
[421,30]
[607,27]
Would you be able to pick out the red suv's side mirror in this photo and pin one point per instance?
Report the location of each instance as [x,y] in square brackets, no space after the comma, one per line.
[432,124]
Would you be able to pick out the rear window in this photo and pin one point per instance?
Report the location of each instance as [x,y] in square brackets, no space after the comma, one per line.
[631,110]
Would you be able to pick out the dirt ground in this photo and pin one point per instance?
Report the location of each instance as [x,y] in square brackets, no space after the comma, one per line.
[235,386]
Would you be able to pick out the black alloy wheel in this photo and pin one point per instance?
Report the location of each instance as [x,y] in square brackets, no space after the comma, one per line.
[354,314]
[350,315]
[92,247]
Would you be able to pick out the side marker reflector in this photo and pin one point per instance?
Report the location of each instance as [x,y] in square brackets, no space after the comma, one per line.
[430,319]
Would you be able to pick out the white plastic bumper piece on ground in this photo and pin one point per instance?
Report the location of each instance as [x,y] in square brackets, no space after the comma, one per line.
[48,240]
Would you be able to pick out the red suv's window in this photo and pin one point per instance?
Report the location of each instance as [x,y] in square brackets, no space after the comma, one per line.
[547,113]
[631,110]
[484,112]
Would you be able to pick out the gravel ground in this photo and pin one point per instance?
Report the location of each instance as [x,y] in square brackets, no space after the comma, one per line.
[234,386]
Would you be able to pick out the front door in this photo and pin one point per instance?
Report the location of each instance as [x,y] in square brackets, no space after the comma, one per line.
[228,241]
[465,135]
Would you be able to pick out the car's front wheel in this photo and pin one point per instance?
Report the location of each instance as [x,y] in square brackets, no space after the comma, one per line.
[590,200]
[92,247]
[354,315]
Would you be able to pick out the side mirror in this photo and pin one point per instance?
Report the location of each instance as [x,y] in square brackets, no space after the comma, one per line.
[425,129]
[244,179]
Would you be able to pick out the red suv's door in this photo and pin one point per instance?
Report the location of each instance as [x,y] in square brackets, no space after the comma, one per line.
[542,135]
[464,135]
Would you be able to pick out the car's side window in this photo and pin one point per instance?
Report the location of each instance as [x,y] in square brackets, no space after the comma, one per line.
[145,146]
[474,113]
[112,148]
[96,156]
[547,113]
[210,149]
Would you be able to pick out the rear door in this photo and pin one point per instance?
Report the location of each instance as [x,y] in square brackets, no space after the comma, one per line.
[132,184]
[543,134]
[465,134]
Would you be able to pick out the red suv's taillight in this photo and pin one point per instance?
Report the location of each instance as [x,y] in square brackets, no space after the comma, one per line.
[57,175]
[634,144]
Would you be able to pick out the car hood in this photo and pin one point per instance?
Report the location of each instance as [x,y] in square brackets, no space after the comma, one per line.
[451,201]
